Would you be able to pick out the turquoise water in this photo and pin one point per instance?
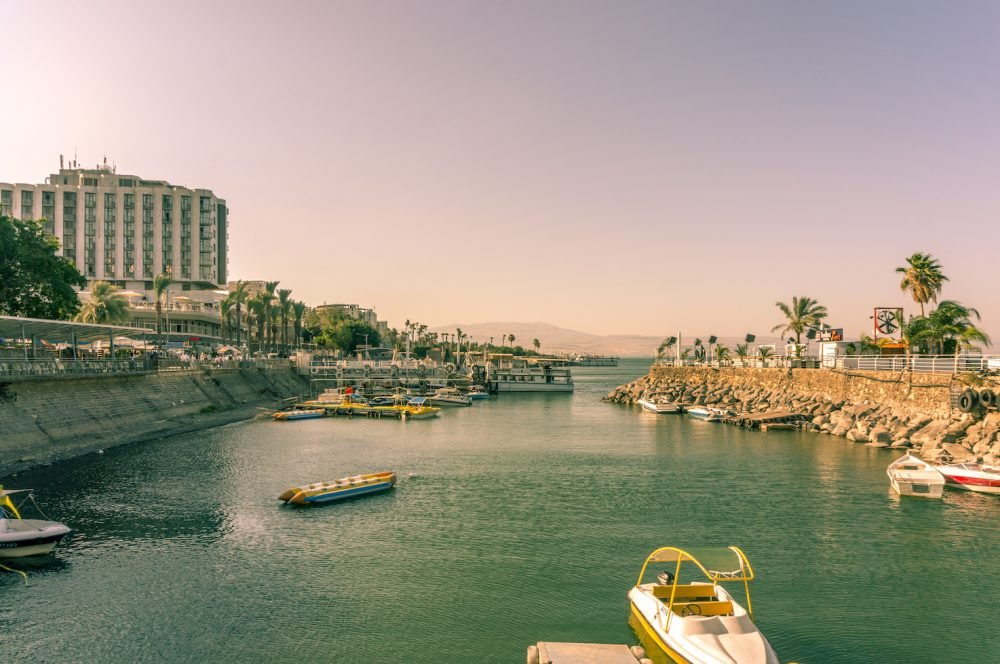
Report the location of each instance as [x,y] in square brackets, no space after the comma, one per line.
[520,519]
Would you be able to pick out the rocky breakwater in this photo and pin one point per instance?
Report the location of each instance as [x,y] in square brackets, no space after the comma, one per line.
[880,409]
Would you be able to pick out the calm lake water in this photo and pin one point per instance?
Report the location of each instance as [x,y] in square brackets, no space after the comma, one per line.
[520,519]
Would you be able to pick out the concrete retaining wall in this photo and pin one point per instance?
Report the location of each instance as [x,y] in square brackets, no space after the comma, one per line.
[62,417]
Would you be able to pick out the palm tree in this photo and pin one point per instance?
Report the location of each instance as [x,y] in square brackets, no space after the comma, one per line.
[106,306]
[666,345]
[510,338]
[950,326]
[721,354]
[256,313]
[923,278]
[226,310]
[536,343]
[268,298]
[743,351]
[803,314]
[298,311]
[764,353]
[161,285]
[239,295]
[284,310]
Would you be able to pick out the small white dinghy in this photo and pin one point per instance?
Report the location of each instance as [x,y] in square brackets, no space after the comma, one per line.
[910,475]
[25,537]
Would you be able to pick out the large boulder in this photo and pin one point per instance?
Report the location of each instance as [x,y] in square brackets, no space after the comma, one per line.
[930,432]
[880,434]
[958,453]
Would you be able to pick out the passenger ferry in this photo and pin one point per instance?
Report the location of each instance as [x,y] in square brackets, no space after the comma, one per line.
[507,373]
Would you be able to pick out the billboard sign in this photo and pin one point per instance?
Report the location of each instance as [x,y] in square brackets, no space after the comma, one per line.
[888,323]
[831,334]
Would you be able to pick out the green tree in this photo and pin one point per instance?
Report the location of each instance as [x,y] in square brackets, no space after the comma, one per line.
[923,278]
[764,353]
[510,338]
[285,311]
[951,328]
[226,311]
[106,306]
[34,281]
[537,344]
[721,353]
[743,352]
[298,312]
[160,286]
[664,346]
[268,298]
[803,314]
[239,295]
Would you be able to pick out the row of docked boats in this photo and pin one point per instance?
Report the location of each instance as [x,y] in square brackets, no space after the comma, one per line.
[910,475]
[665,406]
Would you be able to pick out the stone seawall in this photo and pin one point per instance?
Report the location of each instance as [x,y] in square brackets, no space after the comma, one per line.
[61,417]
[881,409]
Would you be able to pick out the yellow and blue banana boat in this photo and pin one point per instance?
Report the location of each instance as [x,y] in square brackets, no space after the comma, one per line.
[345,487]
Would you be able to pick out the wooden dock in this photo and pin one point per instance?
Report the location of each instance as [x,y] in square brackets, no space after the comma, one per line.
[549,652]
[766,420]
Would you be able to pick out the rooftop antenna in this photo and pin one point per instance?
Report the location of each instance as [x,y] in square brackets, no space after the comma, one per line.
[60,162]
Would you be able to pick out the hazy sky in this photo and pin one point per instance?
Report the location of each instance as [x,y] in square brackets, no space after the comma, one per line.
[614,167]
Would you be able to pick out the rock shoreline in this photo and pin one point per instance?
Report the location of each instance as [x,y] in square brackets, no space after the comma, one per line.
[879,409]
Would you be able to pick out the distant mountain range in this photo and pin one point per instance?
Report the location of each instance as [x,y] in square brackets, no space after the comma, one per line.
[562,340]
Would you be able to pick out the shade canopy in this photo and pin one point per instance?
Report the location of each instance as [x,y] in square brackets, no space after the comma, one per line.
[717,564]
[62,331]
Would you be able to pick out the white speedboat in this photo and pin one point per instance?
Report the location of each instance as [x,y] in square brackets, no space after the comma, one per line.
[477,392]
[25,537]
[449,396]
[660,405]
[699,412]
[698,621]
[910,475]
[971,476]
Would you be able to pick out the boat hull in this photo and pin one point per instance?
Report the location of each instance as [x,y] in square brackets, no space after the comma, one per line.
[661,408]
[29,537]
[651,615]
[504,386]
[342,489]
[971,480]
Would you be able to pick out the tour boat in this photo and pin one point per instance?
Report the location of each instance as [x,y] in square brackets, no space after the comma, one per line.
[298,414]
[661,405]
[478,392]
[698,621]
[449,396]
[25,537]
[506,373]
[972,476]
[910,475]
[345,487]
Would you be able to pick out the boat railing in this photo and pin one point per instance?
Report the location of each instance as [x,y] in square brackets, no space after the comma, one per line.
[936,364]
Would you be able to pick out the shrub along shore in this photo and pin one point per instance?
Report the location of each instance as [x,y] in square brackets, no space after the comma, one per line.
[879,409]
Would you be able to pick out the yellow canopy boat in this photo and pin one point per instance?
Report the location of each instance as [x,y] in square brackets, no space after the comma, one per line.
[698,621]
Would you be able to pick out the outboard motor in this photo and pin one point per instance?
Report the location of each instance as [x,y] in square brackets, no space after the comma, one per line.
[665,578]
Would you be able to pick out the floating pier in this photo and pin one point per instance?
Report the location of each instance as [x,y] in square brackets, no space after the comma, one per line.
[768,420]
[549,652]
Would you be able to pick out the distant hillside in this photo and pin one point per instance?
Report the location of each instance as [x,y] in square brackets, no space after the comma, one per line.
[562,340]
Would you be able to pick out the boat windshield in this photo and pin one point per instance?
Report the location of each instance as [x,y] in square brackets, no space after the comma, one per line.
[715,564]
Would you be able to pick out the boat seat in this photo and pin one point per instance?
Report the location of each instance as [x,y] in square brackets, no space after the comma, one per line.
[696,591]
[713,608]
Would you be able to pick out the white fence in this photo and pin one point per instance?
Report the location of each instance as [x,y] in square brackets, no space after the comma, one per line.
[945,364]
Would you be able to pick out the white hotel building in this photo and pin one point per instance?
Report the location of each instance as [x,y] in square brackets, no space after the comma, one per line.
[126,230]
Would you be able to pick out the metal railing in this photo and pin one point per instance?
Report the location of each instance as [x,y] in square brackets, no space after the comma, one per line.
[941,364]
[11,368]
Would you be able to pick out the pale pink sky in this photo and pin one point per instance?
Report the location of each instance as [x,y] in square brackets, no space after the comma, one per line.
[614,167]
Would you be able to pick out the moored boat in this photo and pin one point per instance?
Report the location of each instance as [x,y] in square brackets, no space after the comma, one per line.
[449,396]
[707,413]
[698,621]
[416,408]
[660,405]
[25,537]
[971,476]
[345,487]
[306,414]
[477,392]
[910,475]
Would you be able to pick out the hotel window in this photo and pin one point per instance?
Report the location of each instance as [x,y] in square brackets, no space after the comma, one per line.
[90,207]
[109,235]
[49,210]
[185,237]
[89,182]
[27,204]
[126,182]
[7,202]
[147,235]
[89,249]
[69,226]
[168,233]
[128,220]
